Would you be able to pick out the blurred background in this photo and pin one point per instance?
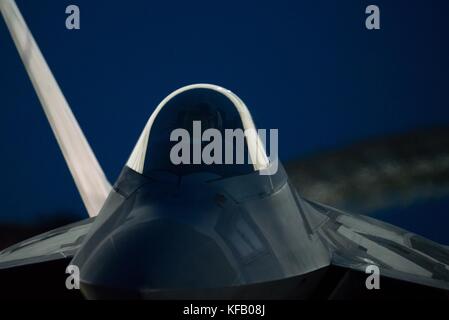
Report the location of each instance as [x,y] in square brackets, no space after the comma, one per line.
[363,116]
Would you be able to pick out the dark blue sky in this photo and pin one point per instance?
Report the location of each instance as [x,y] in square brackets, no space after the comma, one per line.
[309,68]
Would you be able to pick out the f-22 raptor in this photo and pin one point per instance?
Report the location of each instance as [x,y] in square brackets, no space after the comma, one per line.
[165,231]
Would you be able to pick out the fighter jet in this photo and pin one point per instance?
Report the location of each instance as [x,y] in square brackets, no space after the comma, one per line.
[220,231]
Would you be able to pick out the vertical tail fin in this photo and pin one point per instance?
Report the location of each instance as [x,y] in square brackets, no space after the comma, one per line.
[87,173]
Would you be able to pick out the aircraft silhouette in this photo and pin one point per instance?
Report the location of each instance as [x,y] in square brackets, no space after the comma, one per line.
[166,231]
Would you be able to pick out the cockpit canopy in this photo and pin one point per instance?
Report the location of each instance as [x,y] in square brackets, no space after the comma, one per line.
[178,138]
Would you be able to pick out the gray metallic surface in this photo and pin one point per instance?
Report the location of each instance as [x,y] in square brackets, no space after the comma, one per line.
[357,241]
[56,244]
[259,235]
[206,228]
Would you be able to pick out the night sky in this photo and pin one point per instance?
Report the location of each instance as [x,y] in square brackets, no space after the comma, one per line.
[309,68]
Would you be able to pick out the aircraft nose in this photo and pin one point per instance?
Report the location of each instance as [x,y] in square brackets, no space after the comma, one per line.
[153,257]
